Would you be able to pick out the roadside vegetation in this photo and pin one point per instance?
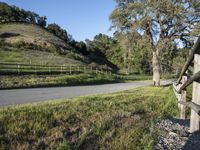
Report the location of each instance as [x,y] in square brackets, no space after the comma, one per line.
[123,120]
[27,81]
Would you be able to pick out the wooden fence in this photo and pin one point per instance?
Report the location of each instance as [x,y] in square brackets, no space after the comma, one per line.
[183,82]
[17,68]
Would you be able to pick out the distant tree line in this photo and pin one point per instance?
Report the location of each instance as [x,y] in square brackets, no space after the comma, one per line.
[15,14]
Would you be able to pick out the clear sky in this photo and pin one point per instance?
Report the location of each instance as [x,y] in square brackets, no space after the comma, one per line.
[81,18]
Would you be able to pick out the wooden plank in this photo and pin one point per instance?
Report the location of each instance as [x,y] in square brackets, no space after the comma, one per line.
[194,119]
[183,99]
[196,49]
[195,77]
[192,105]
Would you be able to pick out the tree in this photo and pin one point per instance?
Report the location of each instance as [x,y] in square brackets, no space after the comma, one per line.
[59,32]
[42,21]
[15,14]
[163,24]
[135,54]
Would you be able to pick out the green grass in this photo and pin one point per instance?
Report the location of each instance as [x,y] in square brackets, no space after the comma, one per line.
[123,120]
[25,81]
[27,56]
[134,77]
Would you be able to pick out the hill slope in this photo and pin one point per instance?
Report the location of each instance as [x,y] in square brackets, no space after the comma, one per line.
[29,33]
[27,43]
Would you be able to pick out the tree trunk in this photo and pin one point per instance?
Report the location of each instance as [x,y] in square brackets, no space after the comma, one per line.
[156,68]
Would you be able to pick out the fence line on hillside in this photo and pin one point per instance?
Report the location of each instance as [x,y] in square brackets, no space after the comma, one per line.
[20,68]
[183,82]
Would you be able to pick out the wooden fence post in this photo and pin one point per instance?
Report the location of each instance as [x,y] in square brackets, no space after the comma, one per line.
[96,71]
[183,99]
[84,69]
[35,68]
[64,68]
[70,69]
[91,69]
[61,69]
[18,68]
[49,68]
[194,119]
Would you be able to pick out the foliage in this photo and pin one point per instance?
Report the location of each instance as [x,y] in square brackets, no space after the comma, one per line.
[80,47]
[102,50]
[59,32]
[123,120]
[15,14]
[136,53]
[164,24]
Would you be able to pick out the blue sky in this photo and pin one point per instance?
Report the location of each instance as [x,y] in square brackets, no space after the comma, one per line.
[81,18]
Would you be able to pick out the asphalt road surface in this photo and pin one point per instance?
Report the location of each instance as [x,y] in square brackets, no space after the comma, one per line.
[20,96]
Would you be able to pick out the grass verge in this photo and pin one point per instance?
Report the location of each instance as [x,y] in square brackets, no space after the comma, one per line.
[123,120]
[28,81]
[32,81]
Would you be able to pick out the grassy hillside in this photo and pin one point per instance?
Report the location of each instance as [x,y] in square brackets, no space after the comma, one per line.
[29,56]
[28,43]
[123,120]
[30,33]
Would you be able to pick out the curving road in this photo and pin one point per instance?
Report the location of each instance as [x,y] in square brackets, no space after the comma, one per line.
[20,96]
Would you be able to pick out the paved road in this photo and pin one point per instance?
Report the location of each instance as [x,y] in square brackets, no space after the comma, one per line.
[20,96]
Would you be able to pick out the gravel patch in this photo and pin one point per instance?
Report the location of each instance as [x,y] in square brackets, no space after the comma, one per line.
[175,135]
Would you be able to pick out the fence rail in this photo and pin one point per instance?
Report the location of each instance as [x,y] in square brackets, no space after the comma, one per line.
[183,82]
[20,68]
[195,50]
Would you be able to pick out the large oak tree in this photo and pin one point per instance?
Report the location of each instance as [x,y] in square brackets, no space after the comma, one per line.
[164,23]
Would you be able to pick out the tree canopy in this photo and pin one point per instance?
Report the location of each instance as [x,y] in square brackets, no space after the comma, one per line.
[164,24]
[15,14]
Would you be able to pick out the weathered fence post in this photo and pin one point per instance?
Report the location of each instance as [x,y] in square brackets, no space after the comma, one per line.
[49,68]
[194,119]
[18,68]
[96,70]
[64,68]
[61,69]
[84,69]
[183,99]
[91,69]
[70,69]
[35,68]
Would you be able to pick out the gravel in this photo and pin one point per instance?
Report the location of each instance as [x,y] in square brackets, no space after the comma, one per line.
[175,135]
